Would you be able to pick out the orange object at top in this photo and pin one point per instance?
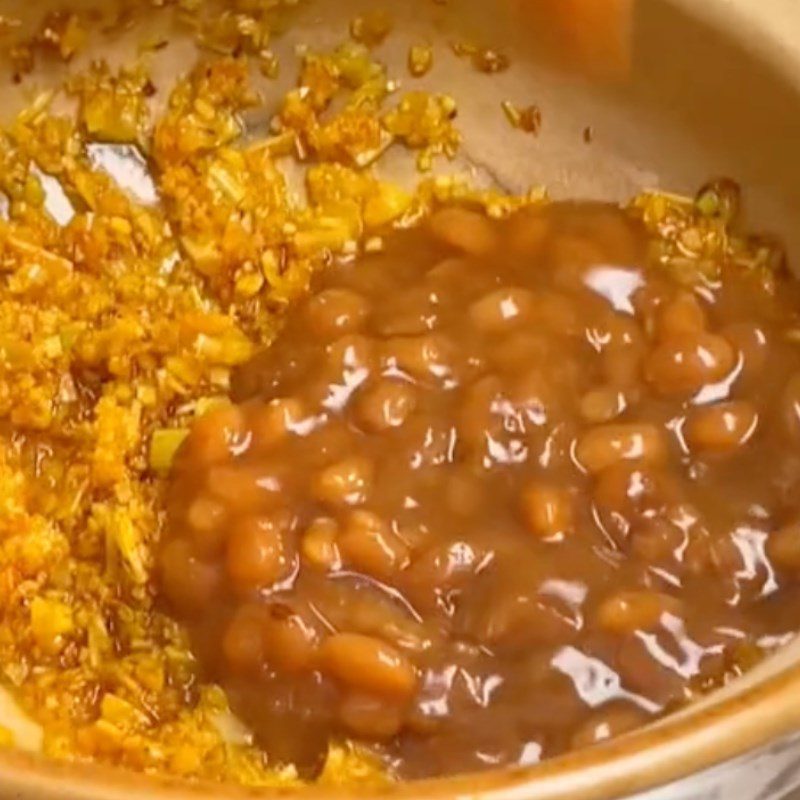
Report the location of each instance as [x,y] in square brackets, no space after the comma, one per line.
[591,36]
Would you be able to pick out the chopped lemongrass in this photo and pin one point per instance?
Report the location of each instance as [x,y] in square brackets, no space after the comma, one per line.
[164,444]
[420,60]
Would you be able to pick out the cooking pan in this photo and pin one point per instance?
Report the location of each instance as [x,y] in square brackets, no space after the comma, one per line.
[712,88]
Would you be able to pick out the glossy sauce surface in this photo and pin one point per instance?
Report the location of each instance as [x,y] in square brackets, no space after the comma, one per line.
[499,491]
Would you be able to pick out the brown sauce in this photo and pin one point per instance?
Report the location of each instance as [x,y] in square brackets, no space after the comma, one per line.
[496,492]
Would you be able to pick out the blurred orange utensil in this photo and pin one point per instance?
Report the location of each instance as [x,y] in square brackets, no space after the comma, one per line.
[591,36]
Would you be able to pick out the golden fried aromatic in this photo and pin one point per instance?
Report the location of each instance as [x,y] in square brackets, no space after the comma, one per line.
[528,119]
[124,307]
[420,59]
[123,310]
[483,59]
[371,28]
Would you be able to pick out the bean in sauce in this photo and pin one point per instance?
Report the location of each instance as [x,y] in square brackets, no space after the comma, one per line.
[499,491]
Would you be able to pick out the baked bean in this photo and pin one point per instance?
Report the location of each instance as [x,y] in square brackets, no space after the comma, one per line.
[617,332]
[627,493]
[648,300]
[290,643]
[783,547]
[245,489]
[443,567]
[335,312]
[547,510]
[423,357]
[710,666]
[697,557]
[571,256]
[368,611]
[415,533]
[368,544]
[412,313]
[609,722]
[721,428]
[475,414]
[627,484]
[727,556]
[243,642]
[684,364]
[622,350]
[272,422]
[740,570]
[496,419]
[622,367]
[683,316]
[630,611]
[217,435]
[188,582]
[602,404]
[452,272]
[790,406]
[427,444]
[363,606]
[613,233]
[526,234]
[752,345]
[257,553]
[464,230]
[352,358]
[557,313]
[607,445]
[645,675]
[657,541]
[370,717]
[522,350]
[319,546]
[368,664]
[346,483]
[420,721]
[466,493]
[205,513]
[206,517]
[533,397]
[326,443]
[386,405]
[502,310]
[515,621]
